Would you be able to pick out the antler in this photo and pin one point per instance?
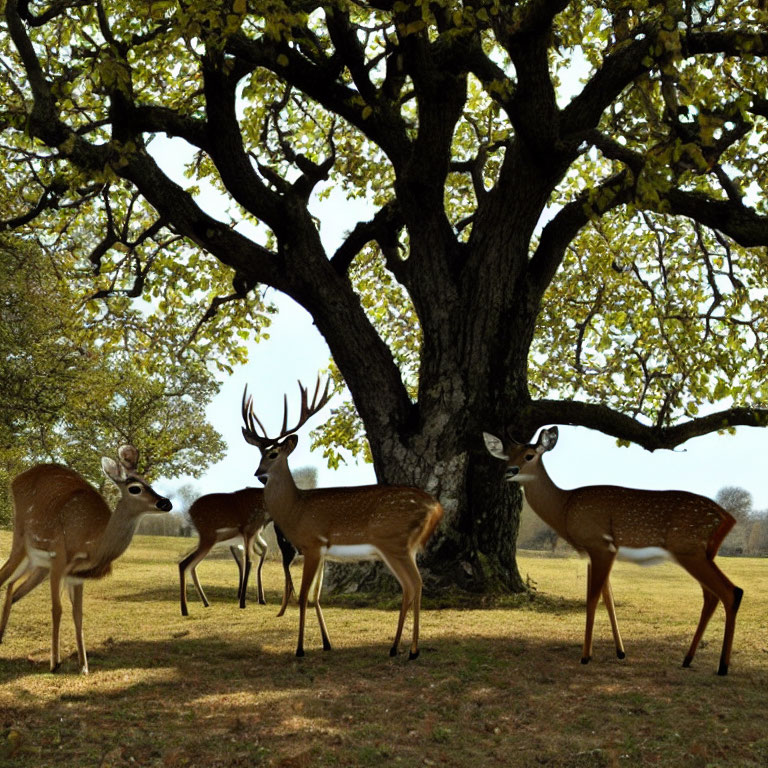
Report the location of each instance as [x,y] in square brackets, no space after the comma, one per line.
[307,411]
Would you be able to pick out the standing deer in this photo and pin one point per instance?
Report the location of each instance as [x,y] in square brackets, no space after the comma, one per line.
[604,521]
[64,529]
[241,516]
[390,523]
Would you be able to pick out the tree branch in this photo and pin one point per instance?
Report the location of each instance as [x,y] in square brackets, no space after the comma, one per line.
[624,427]
[383,228]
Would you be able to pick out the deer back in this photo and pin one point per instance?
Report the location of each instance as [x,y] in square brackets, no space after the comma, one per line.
[397,517]
[243,509]
[678,521]
[55,504]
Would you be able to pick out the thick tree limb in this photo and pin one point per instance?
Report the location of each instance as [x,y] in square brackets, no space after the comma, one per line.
[746,227]
[624,427]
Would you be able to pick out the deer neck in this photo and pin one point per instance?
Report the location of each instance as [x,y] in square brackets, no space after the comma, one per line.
[546,499]
[281,497]
[116,537]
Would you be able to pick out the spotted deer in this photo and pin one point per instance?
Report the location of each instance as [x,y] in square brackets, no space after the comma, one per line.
[390,523]
[63,529]
[606,521]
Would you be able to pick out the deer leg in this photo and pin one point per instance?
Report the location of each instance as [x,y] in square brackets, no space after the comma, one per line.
[240,583]
[712,579]
[35,577]
[407,574]
[311,564]
[190,562]
[611,608]
[318,588]
[260,545]
[20,566]
[597,572]
[288,552]
[246,573]
[11,568]
[708,608]
[56,619]
[76,598]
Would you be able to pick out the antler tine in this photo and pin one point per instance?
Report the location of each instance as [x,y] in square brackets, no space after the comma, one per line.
[251,420]
[307,409]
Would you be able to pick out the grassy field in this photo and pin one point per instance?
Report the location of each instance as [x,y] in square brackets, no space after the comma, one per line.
[497,685]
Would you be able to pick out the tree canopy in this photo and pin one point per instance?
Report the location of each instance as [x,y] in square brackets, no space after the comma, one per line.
[80,377]
[568,203]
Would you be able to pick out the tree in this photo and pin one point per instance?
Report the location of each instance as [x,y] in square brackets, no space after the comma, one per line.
[738,502]
[548,243]
[75,385]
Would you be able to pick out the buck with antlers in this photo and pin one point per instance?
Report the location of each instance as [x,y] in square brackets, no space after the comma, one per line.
[63,529]
[232,518]
[390,523]
[607,521]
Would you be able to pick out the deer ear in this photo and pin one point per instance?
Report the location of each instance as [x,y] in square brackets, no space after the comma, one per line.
[494,446]
[547,439]
[128,456]
[114,471]
[290,443]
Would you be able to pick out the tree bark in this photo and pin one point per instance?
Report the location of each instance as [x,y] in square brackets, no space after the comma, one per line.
[473,550]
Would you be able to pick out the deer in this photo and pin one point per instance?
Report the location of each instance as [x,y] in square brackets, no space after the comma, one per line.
[231,518]
[391,523]
[63,529]
[605,522]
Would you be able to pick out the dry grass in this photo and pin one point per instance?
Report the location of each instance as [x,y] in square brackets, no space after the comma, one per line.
[501,685]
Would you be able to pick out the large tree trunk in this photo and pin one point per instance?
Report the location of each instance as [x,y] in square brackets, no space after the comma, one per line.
[474,548]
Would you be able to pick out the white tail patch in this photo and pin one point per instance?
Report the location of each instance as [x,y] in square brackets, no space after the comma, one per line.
[351,552]
[40,558]
[644,555]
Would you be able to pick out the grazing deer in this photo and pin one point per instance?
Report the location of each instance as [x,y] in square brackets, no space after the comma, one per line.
[63,529]
[240,516]
[645,526]
[390,523]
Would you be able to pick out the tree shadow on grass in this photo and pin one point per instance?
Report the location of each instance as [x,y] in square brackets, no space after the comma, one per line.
[210,701]
[531,601]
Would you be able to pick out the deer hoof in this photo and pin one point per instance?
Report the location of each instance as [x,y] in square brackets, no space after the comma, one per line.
[393,652]
[723,670]
[621,654]
[687,661]
[585,659]
[413,655]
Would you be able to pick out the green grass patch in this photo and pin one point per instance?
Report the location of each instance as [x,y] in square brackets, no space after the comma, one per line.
[498,682]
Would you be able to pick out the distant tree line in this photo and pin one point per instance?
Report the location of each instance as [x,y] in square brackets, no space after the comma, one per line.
[749,536]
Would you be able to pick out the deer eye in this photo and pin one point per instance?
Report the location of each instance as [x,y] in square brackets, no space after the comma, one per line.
[273,455]
[134,489]
[529,456]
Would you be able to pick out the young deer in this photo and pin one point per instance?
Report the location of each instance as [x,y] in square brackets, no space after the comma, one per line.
[377,521]
[64,529]
[604,521]
[240,516]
